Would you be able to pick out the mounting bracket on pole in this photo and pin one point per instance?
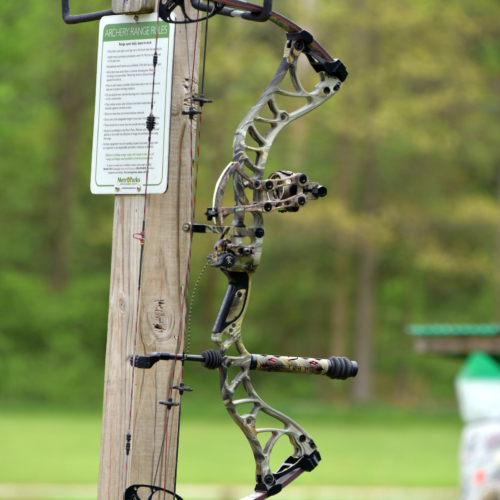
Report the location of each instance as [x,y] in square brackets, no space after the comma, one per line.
[82,18]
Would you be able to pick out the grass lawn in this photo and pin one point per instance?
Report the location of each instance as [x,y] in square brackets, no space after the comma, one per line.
[365,446]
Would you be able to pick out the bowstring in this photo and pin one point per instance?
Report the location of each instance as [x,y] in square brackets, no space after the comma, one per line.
[202,94]
[143,241]
[185,289]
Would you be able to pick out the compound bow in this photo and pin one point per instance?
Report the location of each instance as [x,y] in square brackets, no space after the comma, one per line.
[282,191]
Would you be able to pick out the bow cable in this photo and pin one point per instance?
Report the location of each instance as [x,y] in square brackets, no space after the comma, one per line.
[185,291]
[185,288]
[332,73]
[150,125]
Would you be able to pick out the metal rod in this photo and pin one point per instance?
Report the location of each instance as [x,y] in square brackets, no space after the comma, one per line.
[180,357]
[82,18]
[338,368]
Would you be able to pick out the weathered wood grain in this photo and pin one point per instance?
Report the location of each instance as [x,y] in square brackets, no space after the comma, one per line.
[133,6]
[163,273]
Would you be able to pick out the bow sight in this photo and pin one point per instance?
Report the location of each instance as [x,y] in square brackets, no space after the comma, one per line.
[283,191]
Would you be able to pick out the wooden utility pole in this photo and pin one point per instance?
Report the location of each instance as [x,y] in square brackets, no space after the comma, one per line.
[163,274]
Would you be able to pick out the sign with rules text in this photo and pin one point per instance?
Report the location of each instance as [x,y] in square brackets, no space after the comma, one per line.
[123,102]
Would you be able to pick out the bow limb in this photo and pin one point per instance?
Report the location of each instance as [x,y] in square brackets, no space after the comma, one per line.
[253,158]
[284,191]
[242,8]
[238,255]
[227,333]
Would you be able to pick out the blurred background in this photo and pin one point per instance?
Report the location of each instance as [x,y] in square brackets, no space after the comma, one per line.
[409,233]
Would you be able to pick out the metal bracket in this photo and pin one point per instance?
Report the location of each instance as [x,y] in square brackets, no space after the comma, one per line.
[232,10]
[82,18]
[263,15]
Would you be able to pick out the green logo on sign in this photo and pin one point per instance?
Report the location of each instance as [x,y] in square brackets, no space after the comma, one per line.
[128,180]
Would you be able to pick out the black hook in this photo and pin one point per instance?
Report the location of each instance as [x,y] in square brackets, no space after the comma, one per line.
[261,17]
[82,18]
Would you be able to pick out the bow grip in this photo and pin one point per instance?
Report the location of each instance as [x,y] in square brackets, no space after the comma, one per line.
[234,301]
[336,368]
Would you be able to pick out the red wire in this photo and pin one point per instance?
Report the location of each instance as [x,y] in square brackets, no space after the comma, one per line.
[188,269]
[142,240]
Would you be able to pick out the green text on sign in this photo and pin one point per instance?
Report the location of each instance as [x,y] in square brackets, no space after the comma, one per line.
[139,31]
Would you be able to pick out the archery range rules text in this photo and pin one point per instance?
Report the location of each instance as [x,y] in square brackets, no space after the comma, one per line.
[123,102]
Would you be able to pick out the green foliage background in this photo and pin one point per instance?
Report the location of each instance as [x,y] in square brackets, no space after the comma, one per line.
[408,149]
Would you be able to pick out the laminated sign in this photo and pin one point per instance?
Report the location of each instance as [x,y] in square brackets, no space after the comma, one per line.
[123,102]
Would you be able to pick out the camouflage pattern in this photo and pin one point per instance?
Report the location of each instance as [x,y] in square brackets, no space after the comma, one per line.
[277,192]
[324,90]
[238,250]
[266,200]
[286,190]
[285,364]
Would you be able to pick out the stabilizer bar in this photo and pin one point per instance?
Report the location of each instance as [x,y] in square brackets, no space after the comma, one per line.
[336,367]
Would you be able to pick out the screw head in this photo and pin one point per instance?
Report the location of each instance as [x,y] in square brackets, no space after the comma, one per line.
[186,227]
[337,87]
[298,45]
[259,232]
[268,207]
[301,201]
[268,479]
[229,260]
